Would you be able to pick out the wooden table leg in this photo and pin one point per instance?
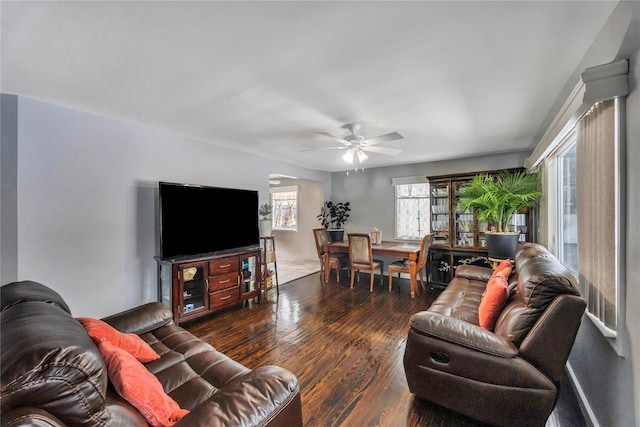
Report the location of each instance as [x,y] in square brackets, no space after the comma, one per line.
[413,280]
[327,270]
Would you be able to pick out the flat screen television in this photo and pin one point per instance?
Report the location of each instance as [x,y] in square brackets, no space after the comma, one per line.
[198,220]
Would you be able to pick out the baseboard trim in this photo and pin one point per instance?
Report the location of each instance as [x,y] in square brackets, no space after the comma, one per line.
[590,417]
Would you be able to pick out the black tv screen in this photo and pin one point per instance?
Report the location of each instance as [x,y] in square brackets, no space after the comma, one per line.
[197,220]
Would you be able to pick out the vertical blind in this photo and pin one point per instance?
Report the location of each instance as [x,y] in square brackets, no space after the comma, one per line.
[601,186]
[600,220]
[597,202]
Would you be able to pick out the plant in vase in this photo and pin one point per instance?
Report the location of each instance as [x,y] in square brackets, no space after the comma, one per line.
[333,217]
[264,211]
[495,198]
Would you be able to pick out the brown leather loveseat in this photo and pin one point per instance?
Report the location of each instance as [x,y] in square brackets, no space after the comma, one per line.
[52,374]
[509,376]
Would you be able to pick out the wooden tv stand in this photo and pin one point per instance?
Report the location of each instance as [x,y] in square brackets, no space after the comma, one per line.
[198,286]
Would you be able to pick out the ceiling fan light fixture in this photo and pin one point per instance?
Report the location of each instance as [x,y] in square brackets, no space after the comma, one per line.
[348,156]
[362,156]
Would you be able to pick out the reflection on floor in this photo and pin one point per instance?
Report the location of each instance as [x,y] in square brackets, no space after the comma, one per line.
[289,270]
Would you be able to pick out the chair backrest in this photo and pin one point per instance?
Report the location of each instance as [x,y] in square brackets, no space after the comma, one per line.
[320,234]
[360,251]
[424,251]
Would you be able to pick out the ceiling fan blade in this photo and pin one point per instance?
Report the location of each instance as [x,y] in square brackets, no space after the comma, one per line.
[344,147]
[382,138]
[381,150]
[335,138]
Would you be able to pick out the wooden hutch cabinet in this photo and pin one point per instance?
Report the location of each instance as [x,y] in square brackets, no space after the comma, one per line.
[458,236]
[200,286]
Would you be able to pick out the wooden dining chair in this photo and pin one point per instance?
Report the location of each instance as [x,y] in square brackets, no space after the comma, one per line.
[421,263]
[336,261]
[361,257]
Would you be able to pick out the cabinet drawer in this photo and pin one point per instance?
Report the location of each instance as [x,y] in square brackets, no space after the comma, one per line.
[223,298]
[223,281]
[224,265]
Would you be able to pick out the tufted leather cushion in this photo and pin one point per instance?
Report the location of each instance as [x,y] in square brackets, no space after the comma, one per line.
[54,366]
[185,363]
[541,278]
[461,301]
[31,291]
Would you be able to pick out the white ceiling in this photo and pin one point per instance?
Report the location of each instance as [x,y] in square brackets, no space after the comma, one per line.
[456,78]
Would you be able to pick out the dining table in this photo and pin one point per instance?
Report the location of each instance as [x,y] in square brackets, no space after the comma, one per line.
[400,250]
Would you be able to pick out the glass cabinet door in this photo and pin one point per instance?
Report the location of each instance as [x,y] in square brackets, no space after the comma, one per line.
[440,214]
[483,227]
[193,285]
[465,236]
[249,275]
[520,223]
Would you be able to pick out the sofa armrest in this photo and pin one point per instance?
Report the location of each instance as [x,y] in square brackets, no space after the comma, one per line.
[268,395]
[462,333]
[29,416]
[474,272]
[141,319]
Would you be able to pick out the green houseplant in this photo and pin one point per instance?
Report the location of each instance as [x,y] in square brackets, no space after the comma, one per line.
[495,198]
[333,217]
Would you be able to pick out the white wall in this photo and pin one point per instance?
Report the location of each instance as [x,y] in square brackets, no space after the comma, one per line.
[301,245]
[372,196]
[87,200]
[8,188]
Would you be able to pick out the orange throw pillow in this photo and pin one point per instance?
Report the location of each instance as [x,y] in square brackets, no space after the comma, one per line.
[493,300]
[100,331]
[505,263]
[139,387]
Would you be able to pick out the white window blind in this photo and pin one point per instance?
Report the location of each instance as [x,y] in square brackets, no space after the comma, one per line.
[598,213]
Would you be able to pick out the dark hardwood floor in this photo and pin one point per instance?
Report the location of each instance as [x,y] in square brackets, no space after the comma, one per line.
[346,348]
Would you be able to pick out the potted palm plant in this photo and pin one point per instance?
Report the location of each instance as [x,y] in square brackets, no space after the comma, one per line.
[333,217]
[496,198]
[265,221]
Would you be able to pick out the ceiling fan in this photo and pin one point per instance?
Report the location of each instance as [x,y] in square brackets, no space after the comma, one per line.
[356,144]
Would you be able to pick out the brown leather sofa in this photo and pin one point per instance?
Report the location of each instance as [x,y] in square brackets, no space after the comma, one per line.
[509,376]
[53,375]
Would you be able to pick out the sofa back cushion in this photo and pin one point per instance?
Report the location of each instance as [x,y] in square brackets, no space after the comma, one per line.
[541,278]
[27,290]
[48,360]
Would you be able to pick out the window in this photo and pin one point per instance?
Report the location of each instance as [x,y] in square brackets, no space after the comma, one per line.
[567,206]
[583,212]
[412,210]
[586,206]
[284,201]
